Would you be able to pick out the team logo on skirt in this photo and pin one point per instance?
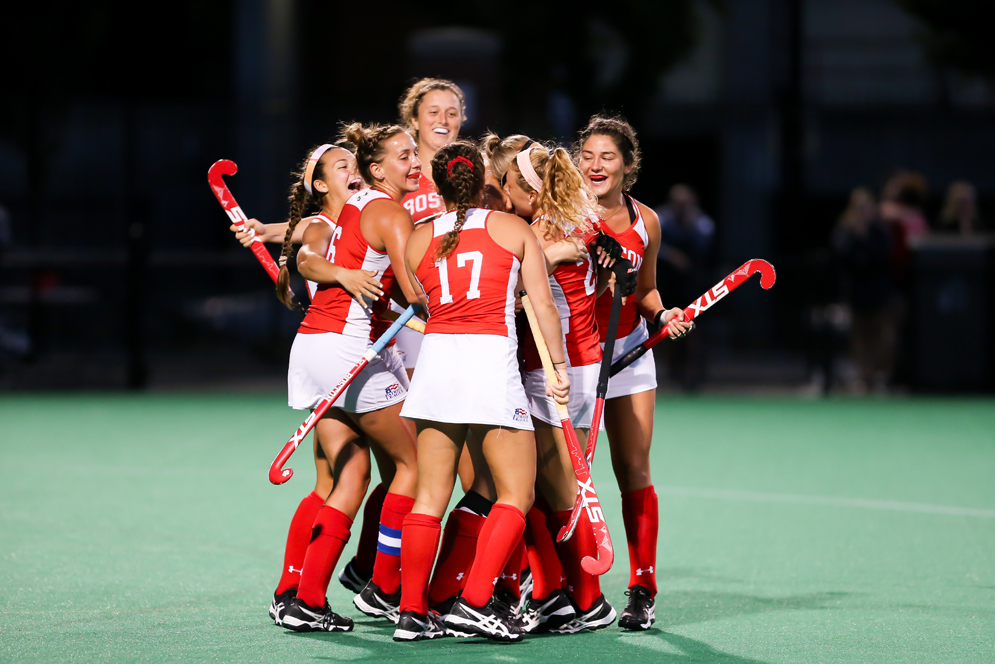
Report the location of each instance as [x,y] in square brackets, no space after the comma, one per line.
[520,415]
[394,390]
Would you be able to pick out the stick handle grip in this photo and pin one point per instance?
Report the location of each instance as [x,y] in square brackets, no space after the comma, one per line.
[547,361]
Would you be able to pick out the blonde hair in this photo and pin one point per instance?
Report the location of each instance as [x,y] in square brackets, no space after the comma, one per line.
[564,202]
[369,142]
[408,106]
[501,152]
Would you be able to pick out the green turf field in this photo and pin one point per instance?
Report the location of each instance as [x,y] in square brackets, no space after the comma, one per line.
[144,529]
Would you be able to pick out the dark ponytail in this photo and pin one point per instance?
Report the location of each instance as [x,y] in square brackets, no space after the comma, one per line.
[458,172]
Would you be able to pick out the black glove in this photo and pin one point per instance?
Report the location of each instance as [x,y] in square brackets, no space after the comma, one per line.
[607,244]
[625,276]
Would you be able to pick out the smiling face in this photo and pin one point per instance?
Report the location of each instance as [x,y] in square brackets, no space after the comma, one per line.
[339,175]
[602,164]
[400,168]
[438,119]
[522,202]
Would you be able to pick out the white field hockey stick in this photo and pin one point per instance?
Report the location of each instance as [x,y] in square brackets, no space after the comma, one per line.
[716,293]
[587,495]
[277,473]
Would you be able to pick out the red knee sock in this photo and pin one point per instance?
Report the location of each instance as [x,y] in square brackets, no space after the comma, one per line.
[498,538]
[297,541]
[328,538]
[584,588]
[459,545]
[547,572]
[366,548]
[640,513]
[511,577]
[419,539]
[387,568]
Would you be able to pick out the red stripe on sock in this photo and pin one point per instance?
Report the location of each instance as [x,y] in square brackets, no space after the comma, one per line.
[366,548]
[387,568]
[297,540]
[498,538]
[547,572]
[330,534]
[459,546]
[419,540]
[584,588]
[641,515]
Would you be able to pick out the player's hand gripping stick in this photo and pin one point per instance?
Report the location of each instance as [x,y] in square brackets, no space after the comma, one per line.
[716,293]
[234,212]
[587,494]
[277,473]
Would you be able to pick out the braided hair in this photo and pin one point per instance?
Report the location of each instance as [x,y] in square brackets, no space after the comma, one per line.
[458,171]
[300,202]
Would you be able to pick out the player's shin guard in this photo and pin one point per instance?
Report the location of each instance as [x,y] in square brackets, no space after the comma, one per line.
[459,545]
[511,577]
[387,568]
[584,588]
[419,540]
[328,538]
[297,540]
[640,513]
[547,572]
[498,539]
[369,534]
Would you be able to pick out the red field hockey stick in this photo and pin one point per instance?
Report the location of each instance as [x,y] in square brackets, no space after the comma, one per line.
[277,473]
[716,293]
[587,495]
[606,362]
[234,212]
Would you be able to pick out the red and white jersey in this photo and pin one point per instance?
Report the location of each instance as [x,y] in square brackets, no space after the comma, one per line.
[332,308]
[575,288]
[471,291]
[634,241]
[312,286]
[423,203]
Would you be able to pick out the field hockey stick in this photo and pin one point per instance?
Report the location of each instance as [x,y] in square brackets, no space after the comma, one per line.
[606,365]
[234,212]
[277,473]
[692,311]
[587,495]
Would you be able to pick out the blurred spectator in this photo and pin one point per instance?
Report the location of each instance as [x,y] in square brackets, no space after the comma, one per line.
[687,237]
[862,245]
[960,210]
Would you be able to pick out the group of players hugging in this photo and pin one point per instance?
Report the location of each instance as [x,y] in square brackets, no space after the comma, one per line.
[409,213]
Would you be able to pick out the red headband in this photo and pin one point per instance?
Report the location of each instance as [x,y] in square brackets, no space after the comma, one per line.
[458,160]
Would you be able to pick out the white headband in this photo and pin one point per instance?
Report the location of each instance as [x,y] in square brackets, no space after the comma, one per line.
[312,161]
[524,159]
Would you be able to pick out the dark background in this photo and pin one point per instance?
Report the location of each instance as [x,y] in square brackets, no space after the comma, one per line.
[117,268]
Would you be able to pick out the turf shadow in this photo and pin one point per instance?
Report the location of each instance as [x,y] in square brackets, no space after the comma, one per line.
[690,607]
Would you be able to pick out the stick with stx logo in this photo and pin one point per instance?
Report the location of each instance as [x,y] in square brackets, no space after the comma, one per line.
[587,495]
[277,473]
[716,293]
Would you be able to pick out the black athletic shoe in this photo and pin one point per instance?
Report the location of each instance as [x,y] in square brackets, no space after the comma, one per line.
[413,627]
[480,622]
[601,614]
[546,614]
[279,604]
[525,591]
[443,607]
[506,606]
[352,579]
[377,604]
[300,617]
[639,613]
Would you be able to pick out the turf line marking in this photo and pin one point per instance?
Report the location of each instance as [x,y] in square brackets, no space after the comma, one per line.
[828,501]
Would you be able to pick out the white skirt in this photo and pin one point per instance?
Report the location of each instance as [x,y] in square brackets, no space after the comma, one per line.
[468,379]
[640,376]
[408,345]
[583,394]
[319,361]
